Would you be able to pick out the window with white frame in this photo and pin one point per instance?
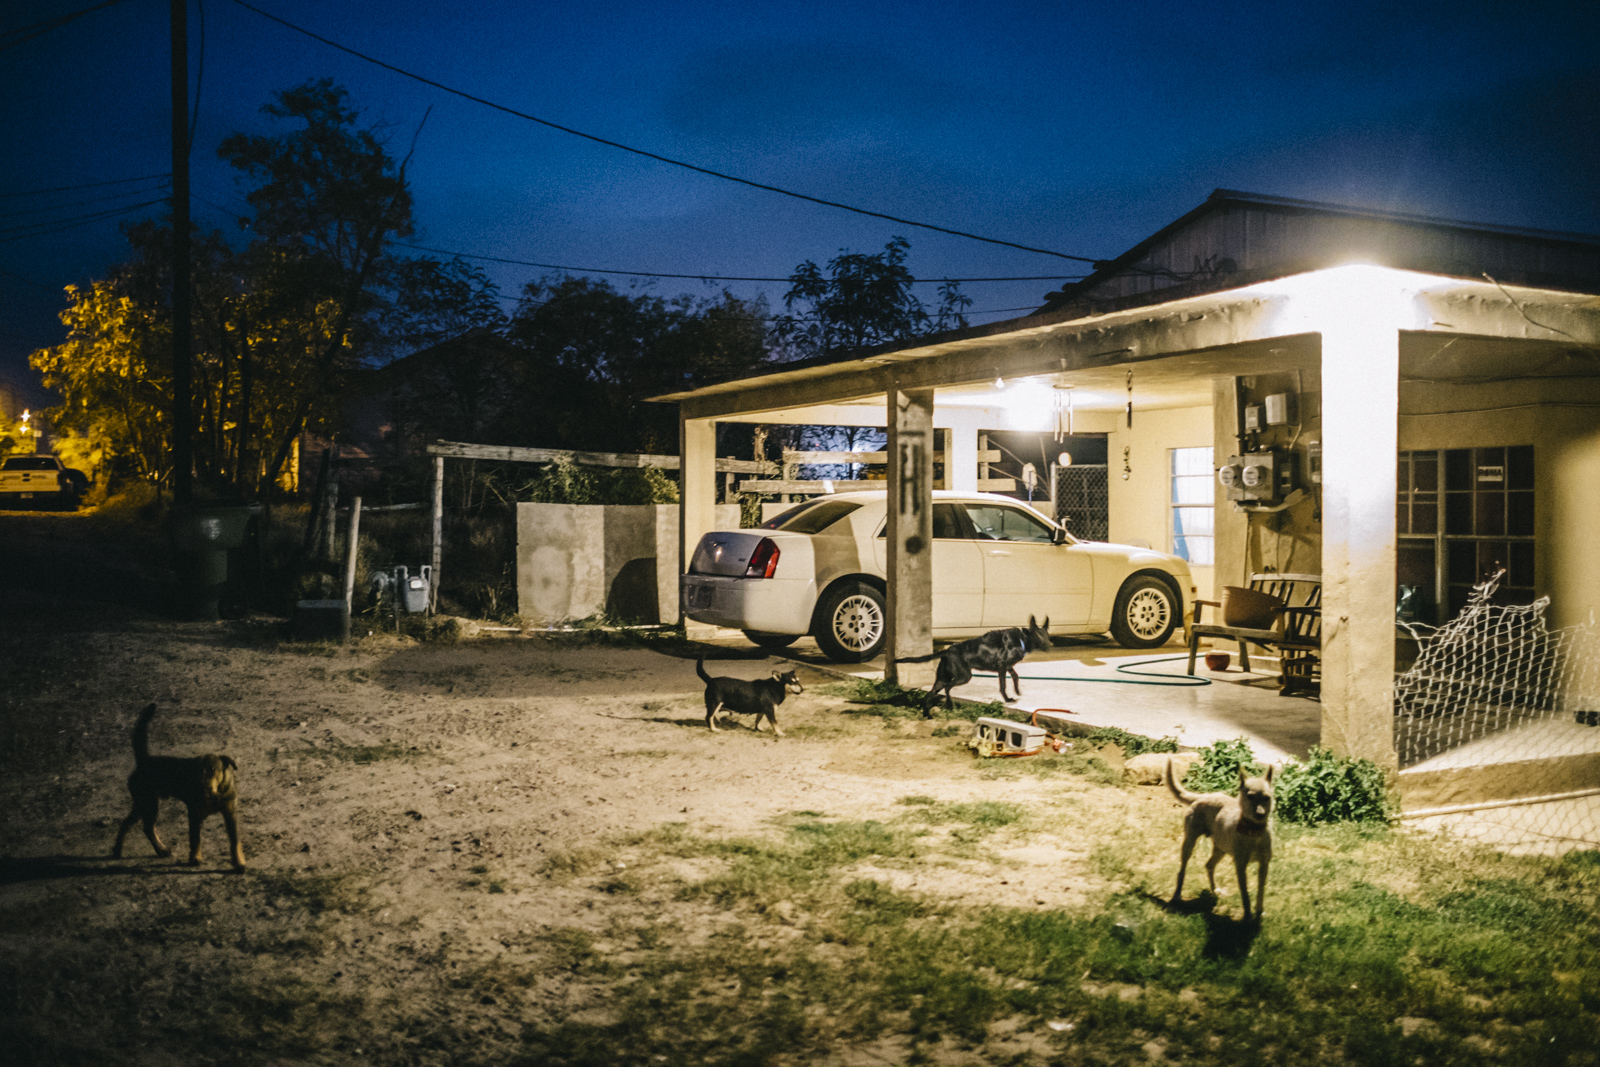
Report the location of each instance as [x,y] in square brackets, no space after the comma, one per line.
[1192,505]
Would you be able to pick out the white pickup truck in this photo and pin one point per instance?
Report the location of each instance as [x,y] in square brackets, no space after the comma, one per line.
[40,479]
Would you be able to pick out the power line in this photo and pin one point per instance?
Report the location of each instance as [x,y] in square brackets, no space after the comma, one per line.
[700,277]
[59,225]
[76,203]
[86,185]
[23,34]
[659,274]
[652,155]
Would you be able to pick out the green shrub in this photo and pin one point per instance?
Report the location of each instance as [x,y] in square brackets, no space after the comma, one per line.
[1326,788]
[1217,770]
[1331,788]
[566,483]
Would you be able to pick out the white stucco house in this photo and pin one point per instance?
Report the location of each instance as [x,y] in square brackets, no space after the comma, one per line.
[1442,382]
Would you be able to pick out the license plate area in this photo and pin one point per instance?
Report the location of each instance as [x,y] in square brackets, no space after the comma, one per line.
[699,596]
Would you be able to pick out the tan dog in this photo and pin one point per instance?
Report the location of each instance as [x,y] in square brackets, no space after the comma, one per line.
[205,784]
[1238,826]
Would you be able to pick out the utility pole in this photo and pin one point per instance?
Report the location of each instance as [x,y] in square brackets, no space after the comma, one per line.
[182,412]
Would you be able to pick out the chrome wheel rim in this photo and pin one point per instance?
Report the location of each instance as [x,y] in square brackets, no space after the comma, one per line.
[1149,613]
[857,622]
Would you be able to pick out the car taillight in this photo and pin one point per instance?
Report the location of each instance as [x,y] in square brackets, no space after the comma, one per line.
[763,561]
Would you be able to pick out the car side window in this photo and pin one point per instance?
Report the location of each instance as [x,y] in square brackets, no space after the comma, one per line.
[946,524]
[996,522]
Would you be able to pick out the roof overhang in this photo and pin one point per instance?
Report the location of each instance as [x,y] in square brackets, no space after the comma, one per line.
[1244,325]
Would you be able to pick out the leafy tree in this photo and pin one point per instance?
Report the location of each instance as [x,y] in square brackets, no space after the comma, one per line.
[863,300]
[329,199]
[592,356]
[280,323]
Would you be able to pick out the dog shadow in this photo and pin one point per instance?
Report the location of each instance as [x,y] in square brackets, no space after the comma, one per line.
[1227,938]
[15,871]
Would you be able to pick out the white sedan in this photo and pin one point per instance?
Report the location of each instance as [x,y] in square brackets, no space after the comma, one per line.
[818,568]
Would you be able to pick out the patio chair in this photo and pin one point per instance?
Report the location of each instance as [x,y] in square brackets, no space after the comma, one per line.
[1296,634]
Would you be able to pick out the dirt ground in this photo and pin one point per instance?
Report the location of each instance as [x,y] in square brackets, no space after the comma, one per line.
[413,812]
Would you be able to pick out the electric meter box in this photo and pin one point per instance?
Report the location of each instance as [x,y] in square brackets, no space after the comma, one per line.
[1257,477]
[1280,409]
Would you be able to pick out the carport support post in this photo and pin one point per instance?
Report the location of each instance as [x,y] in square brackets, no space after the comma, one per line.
[697,500]
[1360,440]
[910,534]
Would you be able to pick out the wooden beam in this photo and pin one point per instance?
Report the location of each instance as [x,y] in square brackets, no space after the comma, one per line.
[823,486]
[997,485]
[512,454]
[836,457]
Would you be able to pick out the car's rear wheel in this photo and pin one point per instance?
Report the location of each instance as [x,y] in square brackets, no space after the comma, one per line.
[770,640]
[852,623]
[1145,614]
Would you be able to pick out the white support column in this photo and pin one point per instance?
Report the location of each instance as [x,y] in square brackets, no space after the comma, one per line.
[1360,439]
[910,535]
[697,498]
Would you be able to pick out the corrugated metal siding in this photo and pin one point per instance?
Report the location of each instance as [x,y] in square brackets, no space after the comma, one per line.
[1272,238]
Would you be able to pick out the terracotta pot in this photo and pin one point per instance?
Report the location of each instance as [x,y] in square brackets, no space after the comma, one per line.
[1249,609]
[1217,661]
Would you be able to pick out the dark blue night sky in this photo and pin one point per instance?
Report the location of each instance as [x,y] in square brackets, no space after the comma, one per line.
[1077,127]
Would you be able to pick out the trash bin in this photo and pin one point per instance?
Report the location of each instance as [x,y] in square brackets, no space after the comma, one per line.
[202,534]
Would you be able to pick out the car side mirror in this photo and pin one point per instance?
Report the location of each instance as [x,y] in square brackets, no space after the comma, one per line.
[1058,536]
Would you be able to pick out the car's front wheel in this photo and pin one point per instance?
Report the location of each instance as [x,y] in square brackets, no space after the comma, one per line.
[1145,614]
[771,640]
[852,623]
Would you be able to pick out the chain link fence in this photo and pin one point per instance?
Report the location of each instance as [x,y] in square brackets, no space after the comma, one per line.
[1083,501]
[1497,727]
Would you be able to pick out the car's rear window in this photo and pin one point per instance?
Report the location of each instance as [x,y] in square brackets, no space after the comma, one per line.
[812,517]
[29,463]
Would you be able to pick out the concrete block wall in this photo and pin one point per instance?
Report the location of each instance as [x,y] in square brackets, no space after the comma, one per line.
[575,561]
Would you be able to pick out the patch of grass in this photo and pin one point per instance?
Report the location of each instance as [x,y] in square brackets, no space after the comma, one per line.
[875,691]
[916,801]
[316,894]
[1130,743]
[647,753]
[988,814]
[571,863]
[972,712]
[1344,956]
[758,871]
[365,753]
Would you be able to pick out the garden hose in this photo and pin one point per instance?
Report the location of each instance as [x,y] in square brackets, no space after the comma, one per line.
[1182,681]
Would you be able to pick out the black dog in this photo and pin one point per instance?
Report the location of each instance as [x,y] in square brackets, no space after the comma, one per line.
[205,784]
[997,650]
[759,698]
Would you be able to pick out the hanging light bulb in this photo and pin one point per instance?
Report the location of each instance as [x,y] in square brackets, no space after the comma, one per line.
[999,382]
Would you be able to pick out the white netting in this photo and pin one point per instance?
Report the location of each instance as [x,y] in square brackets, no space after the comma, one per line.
[1497,725]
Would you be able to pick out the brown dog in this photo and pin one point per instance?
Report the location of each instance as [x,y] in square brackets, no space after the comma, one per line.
[205,784]
[1238,827]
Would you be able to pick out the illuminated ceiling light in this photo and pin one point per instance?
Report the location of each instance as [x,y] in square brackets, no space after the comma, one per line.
[999,382]
[1065,459]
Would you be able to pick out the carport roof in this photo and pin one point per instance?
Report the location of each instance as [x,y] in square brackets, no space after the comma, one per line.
[1230,241]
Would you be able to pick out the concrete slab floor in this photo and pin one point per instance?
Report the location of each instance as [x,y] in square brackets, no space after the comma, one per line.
[1081,674]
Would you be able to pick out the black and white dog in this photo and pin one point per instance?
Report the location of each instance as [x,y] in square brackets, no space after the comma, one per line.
[998,650]
[759,698]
